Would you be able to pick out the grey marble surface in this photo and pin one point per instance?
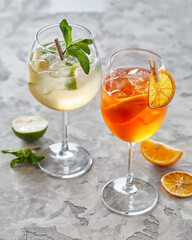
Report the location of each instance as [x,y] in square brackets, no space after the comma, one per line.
[34,206]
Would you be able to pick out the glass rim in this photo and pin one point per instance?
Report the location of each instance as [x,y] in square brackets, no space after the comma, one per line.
[57,25]
[131,49]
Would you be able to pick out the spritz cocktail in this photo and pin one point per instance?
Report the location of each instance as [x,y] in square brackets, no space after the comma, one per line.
[125,108]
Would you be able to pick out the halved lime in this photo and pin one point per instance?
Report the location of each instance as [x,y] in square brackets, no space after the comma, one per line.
[30,127]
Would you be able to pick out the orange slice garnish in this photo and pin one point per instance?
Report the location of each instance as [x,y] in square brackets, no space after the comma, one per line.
[159,153]
[127,109]
[178,184]
[161,93]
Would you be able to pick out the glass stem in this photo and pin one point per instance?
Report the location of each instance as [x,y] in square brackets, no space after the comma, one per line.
[129,186]
[64,144]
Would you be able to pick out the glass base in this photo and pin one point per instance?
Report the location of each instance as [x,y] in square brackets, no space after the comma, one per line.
[69,164]
[139,199]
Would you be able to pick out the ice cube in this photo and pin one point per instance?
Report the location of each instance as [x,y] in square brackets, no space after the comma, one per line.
[133,72]
[45,85]
[60,83]
[39,65]
[54,74]
[64,72]
[55,65]
[36,54]
[120,84]
[49,57]
[117,93]
[116,86]
[139,72]
[72,60]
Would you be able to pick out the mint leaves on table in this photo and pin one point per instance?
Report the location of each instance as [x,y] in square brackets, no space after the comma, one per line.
[22,155]
[78,49]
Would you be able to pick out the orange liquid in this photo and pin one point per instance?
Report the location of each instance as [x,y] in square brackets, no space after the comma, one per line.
[124,105]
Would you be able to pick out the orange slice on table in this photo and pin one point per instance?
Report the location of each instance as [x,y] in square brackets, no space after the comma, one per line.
[178,184]
[159,153]
[161,93]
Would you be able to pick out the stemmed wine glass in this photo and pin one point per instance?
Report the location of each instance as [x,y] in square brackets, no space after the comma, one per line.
[125,109]
[62,86]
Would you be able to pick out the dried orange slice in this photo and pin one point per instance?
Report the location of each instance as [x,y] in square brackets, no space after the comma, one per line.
[161,93]
[159,153]
[178,184]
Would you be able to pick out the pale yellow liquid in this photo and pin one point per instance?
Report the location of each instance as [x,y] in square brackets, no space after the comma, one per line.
[48,86]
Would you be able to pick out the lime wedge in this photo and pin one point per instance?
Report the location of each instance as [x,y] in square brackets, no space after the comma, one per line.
[29,128]
[71,83]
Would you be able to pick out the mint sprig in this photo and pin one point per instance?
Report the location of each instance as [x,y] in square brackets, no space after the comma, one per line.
[66,30]
[23,155]
[79,48]
[77,52]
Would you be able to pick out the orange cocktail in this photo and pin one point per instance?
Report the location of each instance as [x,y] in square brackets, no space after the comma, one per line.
[124,105]
[135,94]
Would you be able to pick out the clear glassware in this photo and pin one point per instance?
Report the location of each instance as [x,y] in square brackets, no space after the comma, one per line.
[124,106]
[53,83]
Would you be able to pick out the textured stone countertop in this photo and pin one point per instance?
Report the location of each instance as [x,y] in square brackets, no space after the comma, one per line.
[34,206]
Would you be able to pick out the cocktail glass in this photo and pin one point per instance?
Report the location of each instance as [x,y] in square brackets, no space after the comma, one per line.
[124,106]
[62,86]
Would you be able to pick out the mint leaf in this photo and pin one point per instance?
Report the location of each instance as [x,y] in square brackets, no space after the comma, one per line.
[86,41]
[15,161]
[14,152]
[81,56]
[66,30]
[83,46]
[34,159]
[23,155]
